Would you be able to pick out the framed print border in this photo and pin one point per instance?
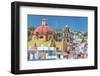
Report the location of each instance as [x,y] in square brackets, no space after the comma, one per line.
[15,37]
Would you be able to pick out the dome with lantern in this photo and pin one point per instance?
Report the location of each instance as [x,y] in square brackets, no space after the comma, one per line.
[44,31]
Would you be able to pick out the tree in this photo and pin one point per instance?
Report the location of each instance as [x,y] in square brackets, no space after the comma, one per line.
[30,30]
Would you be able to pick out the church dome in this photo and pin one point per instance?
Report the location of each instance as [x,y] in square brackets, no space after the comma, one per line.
[43,30]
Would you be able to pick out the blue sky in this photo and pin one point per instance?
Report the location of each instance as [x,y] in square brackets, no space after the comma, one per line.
[76,23]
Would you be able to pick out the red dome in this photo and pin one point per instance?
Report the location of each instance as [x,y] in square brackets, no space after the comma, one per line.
[43,30]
